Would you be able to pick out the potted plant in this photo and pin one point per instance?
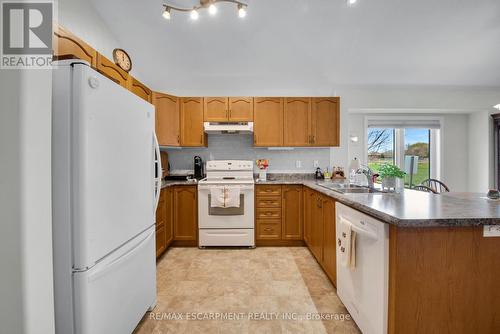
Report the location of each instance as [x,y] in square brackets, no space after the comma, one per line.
[390,174]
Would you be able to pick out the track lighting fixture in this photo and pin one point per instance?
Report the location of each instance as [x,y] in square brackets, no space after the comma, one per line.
[166,13]
[204,4]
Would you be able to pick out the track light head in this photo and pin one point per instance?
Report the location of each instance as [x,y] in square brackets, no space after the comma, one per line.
[242,11]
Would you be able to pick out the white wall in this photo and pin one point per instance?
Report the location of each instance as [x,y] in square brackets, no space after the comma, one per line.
[466,147]
[480,176]
[454,146]
[84,21]
[26,286]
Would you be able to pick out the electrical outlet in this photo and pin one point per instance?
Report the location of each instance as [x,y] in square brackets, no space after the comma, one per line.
[298,164]
[491,231]
[316,163]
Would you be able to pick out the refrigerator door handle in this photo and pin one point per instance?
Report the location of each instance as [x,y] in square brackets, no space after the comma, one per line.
[158,171]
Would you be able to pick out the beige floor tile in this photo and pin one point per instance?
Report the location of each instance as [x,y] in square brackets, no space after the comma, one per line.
[266,279]
[264,327]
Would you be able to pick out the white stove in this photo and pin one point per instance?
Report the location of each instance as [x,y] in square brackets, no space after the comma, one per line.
[231,224]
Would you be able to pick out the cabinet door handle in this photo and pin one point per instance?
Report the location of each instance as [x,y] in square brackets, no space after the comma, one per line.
[229,113]
[255,138]
[178,139]
[201,139]
[267,229]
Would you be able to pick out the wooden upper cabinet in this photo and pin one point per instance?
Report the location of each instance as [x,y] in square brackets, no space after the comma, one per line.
[240,109]
[296,121]
[268,121]
[292,214]
[325,121]
[167,119]
[216,109]
[185,213]
[112,71]
[192,132]
[67,46]
[228,109]
[329,239]
[139,89]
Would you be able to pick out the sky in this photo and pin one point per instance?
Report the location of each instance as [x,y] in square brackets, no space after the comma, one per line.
[412,136]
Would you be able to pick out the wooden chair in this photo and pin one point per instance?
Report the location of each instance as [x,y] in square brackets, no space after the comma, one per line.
[424,188]
[436,185]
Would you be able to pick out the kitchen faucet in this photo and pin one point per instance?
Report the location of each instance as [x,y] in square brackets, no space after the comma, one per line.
[368,172]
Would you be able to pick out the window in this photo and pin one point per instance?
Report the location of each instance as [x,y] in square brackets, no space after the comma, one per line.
[380,147]
[417,144]
[412,145]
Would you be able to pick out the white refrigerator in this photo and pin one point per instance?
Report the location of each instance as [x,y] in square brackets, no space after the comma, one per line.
[106,184]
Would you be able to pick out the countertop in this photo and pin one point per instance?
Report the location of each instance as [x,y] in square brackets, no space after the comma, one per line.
[170,183]
[408,209]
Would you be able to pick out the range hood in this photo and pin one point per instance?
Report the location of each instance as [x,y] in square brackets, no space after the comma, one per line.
[229,128]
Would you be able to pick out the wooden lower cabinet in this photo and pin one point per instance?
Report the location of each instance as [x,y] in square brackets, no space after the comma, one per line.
[269,229]
[319,230]
[278,215]
[308,202]
[443,280]
[164,221]
[291,212]
[316,232]
[185,204]
[329,261]
[169,215]
[161,215]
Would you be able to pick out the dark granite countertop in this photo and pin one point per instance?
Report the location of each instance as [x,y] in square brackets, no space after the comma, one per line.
[170,183]
[410,208]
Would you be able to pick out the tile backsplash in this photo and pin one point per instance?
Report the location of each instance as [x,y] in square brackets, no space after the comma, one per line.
[240,147]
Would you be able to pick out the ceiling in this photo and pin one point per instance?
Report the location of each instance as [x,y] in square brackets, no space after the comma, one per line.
[311,43]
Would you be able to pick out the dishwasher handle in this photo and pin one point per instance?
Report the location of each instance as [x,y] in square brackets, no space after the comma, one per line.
[361,231]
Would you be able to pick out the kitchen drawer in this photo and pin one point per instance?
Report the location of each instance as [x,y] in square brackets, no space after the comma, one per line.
[268,190]
[269,229]
[268,213]
[268,202]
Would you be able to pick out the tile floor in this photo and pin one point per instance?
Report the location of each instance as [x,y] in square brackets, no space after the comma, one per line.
[256,287]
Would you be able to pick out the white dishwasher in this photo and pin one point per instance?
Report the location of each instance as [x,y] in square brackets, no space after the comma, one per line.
[364,288]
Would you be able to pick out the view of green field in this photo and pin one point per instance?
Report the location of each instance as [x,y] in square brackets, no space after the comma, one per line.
[421,175]
[382,145]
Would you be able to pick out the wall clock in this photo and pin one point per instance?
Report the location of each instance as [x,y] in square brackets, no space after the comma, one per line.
[122,59]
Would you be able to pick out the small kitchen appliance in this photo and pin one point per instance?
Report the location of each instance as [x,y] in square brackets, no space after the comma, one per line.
[199,170]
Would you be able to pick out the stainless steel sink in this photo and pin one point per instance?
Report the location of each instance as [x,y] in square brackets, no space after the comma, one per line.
[349,188]
[359,191]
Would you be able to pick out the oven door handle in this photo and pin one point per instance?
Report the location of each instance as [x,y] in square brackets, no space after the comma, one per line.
[208,187]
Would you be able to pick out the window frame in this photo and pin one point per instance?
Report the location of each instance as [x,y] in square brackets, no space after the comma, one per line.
[435,140]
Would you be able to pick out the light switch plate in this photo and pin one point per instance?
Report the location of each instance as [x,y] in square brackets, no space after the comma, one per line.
[491,231]
[316,163]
